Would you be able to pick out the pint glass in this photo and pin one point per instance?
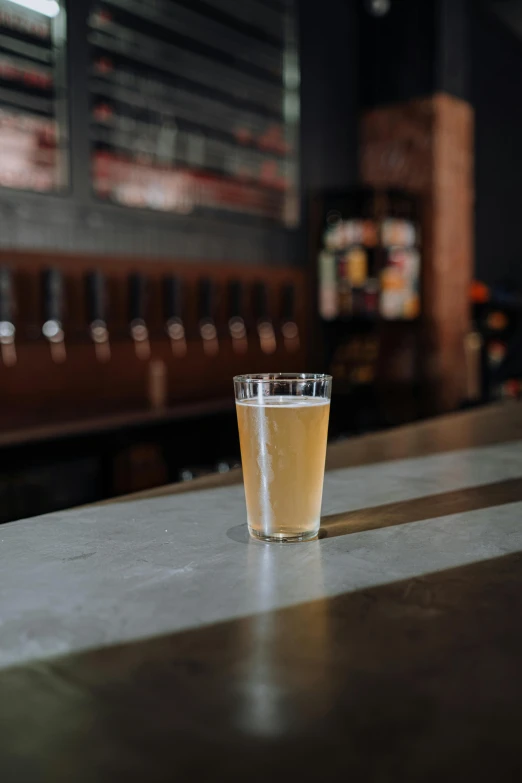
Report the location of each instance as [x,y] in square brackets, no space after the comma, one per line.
[283,427]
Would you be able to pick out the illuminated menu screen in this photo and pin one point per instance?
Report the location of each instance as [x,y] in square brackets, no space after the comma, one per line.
[194,105]
[33,127]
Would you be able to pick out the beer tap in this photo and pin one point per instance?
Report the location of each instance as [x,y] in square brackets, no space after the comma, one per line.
[289,327]
[265,328]
[7,327]
[173,307]
[53,307]
[137,309]
[97,314]
[236,322]
[207,326]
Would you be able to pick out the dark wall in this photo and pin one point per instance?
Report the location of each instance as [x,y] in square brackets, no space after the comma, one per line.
[329,110]
[453,51]
[497,98]
[416,49]
[397,52]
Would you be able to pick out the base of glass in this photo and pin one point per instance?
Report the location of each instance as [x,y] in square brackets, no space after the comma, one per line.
[284,538]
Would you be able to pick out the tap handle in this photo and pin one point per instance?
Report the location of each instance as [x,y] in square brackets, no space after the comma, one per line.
[6,295]
[261,309]
[206,299]
[7,328]
[173,311]
[137,297]
[288,302]
[265,328]
[235,299]
[236,322]
[96,297]
[173,298]
[53,295]
[207,327]
[137,314]
[289,327]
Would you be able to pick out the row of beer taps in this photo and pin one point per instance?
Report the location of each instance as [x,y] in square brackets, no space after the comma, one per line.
[241,327]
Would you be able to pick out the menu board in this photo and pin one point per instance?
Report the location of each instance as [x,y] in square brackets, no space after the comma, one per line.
[33,124]
[195,106]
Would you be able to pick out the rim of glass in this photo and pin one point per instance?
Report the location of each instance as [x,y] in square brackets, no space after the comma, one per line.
[282,377]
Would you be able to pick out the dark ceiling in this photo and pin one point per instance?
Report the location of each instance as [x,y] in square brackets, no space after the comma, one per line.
[510,12]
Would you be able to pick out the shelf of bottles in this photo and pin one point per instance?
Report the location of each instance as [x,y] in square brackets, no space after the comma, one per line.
[369,272]
[497,334]
[195,106]
[33,112]
[369,259]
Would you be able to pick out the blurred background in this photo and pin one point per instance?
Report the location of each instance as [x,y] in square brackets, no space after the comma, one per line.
[192,189]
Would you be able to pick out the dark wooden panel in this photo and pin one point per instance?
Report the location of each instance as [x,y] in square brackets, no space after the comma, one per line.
[37,388]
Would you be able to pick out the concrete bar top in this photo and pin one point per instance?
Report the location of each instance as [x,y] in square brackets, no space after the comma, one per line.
[171,625]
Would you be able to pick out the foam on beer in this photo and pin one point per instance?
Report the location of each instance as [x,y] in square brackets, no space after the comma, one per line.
[287,401]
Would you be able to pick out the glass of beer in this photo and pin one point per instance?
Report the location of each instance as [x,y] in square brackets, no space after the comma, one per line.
[283,427]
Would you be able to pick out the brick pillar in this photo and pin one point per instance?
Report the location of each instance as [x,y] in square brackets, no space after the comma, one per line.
[426,146]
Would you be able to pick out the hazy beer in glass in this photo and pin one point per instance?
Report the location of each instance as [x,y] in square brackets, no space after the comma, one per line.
[283,427]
